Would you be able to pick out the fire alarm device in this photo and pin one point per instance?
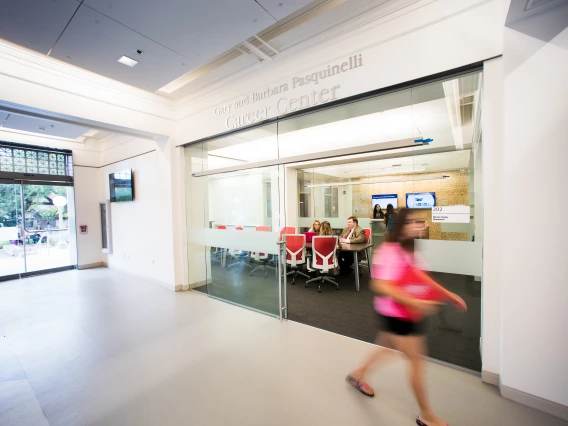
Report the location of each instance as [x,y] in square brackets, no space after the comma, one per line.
[83,229]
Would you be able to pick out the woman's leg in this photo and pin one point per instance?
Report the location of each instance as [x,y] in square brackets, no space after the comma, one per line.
[414,348]
[375,356]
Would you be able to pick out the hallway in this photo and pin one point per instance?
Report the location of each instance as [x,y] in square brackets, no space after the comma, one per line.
[99,347]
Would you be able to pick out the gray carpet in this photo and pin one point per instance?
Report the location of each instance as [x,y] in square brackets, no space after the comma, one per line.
[350,313]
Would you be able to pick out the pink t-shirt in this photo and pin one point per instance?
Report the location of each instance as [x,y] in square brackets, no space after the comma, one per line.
[389,263]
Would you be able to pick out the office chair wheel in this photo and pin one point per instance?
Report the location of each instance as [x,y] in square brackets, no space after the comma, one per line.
[292,282]
[337,288]
[306,286]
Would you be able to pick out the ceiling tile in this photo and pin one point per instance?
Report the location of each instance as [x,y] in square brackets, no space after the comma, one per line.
[199,30]
[35,24]
[95,42]
[46,127]
[282,8]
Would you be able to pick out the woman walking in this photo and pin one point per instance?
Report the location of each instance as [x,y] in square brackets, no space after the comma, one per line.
[405,297]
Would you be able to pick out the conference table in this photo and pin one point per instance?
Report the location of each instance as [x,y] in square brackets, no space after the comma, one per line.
[355,249]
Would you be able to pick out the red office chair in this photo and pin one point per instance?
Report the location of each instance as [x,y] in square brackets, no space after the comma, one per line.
[287,230]
[368,241]
[239,254]
[218,253]
[323,259]
[261,258]
[296,254]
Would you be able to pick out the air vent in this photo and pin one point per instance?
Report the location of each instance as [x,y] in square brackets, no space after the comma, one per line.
[531,4]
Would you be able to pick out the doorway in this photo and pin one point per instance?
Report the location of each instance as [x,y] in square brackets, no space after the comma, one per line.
[37,212]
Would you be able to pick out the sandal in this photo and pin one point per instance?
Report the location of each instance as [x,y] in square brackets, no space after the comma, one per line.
[361,386]
[421,423]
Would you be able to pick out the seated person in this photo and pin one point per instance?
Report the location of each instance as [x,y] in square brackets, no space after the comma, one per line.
[353,234]
[316,227]
[326,229]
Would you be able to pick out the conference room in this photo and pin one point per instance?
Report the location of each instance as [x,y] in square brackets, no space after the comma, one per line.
[255,195]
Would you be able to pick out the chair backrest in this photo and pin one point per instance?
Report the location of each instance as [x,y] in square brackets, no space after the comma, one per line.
[287,230]
[261,256]
[324,249]
[367,234]
[295,249]
[221,227]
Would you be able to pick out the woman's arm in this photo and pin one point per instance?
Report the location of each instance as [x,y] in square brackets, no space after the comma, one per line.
[390,289]
[453,298]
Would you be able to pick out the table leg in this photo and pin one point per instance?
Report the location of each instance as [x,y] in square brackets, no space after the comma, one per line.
[356,271]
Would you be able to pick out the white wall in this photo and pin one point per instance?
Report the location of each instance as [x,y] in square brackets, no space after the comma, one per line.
[493,191]
[87,195]
[141,230]
[534,270]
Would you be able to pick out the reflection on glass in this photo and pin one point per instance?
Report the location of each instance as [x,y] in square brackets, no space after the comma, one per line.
[48,228]
[241,205]
[250,146]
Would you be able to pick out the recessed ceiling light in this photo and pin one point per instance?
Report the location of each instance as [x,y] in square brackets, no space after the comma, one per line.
[127,61]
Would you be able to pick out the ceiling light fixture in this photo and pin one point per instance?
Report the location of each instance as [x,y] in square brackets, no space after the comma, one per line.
[397,168]
[453,102]
[127,61]
[377,181]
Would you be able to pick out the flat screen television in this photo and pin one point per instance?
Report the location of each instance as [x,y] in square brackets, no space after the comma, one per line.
[385,199]
[121,186]
[420,200]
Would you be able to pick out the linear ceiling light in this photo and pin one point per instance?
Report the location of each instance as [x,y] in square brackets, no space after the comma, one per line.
[394,169]
[127,61]
[453,102]
[376,181]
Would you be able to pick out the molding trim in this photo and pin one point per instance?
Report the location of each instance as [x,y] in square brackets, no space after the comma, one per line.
[549,407]
[490,378]
[91,265]
[179,287]
[150,280]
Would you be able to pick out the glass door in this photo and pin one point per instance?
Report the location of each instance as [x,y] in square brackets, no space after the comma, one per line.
[12,252]
[242,231]
[48,226]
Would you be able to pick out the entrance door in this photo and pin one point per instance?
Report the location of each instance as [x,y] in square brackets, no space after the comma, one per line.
[49,226]
[37,228]
[243,222]
[12,253]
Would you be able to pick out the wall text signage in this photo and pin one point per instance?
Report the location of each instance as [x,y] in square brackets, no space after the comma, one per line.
[277,101]
[451,214]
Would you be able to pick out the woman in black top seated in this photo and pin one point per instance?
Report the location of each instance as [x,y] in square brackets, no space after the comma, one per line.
[378,213]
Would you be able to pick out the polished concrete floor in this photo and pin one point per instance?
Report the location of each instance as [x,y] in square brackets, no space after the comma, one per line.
[99,347]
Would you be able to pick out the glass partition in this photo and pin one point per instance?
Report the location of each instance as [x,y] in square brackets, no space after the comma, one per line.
[417,148]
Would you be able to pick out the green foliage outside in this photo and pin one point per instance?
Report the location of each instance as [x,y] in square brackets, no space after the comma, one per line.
[38,204]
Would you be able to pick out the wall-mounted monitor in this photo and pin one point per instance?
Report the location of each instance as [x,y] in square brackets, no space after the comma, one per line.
[420,200]
[121,186]
[385,199]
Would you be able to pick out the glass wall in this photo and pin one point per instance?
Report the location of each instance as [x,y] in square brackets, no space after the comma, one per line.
[417,148]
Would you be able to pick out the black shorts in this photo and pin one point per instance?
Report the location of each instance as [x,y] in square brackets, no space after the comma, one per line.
[401,327]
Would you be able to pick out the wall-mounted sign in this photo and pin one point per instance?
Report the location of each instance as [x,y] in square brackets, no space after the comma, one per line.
[451,214]
[83,229]
[274,101]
